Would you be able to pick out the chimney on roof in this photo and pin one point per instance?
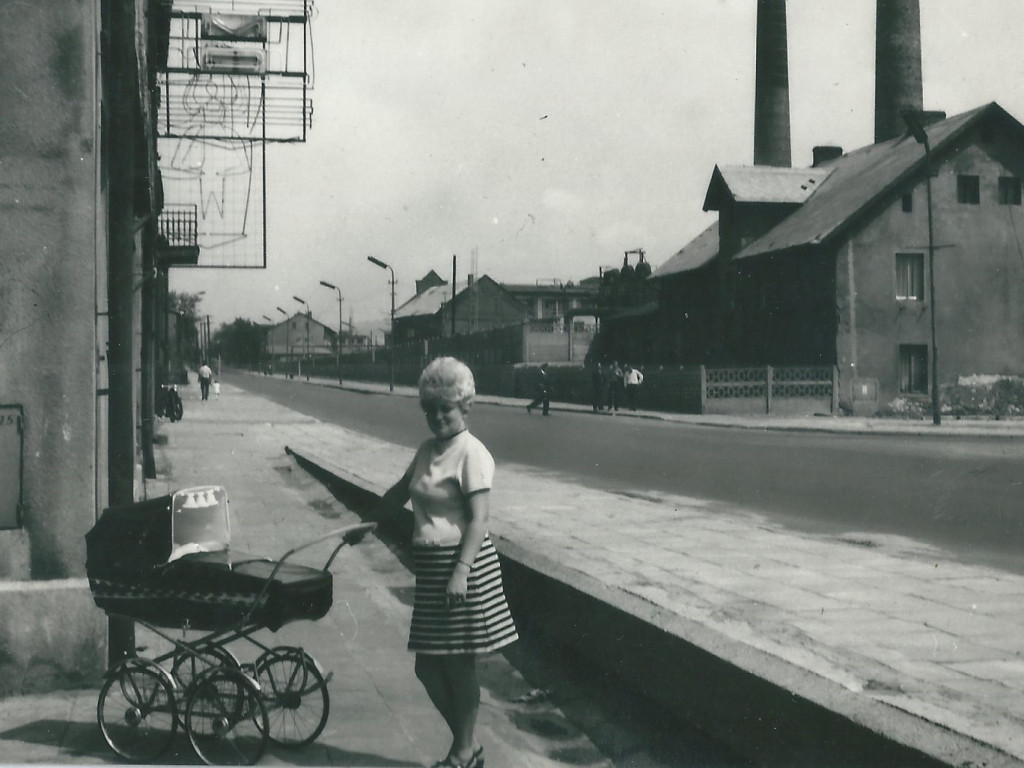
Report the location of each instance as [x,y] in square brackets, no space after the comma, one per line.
[825,153]
[930,117]
[897,65]
[771,86]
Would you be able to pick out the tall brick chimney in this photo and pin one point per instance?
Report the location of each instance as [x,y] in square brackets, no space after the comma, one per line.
[771,86]
[897,65]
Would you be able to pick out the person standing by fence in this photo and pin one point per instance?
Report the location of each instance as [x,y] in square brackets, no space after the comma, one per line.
[632,378]
[616,387]
[599,385]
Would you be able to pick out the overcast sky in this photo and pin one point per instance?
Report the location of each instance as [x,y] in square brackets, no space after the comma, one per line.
[553,136]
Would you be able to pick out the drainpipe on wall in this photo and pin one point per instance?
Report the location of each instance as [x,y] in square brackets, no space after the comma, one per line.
[119,73]
[149,330]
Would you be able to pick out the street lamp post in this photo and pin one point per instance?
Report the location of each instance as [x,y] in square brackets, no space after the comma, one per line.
[391,344]
[303,302]
[287,339]
[266,346]
[340,325]
[921,137]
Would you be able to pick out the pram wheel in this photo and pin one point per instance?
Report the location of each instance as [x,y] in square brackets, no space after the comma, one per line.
[137,711]
[225,718]
[188,667]
[295,694]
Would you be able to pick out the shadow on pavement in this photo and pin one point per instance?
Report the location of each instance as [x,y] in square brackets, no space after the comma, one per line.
[77,738]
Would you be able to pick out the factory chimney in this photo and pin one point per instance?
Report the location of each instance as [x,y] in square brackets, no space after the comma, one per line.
[897,65]
[771,86]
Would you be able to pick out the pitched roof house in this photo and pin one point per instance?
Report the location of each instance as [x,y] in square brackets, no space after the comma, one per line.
[829,265]
[480,305]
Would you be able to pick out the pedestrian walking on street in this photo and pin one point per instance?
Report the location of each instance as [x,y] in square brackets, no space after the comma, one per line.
[205,377]
[599,385]
[459,610]
[543,391]
[616,387]
[632,378]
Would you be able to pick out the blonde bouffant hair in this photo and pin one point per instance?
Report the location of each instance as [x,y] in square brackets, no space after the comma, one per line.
[447,378]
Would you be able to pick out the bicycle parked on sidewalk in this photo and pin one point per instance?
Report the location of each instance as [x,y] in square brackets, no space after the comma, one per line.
[169,403]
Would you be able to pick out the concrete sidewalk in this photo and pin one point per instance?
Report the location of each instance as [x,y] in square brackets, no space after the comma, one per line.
[883,630]
[379,714]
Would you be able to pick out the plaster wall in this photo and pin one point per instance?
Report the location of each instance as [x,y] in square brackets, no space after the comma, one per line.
[49,254]
[979,276]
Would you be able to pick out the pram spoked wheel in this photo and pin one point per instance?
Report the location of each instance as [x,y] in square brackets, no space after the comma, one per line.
[137,710]
[187,667]
[295,694]
[225,718]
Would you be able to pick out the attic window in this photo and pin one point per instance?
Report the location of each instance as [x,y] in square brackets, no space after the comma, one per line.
[968,189]
[907,202]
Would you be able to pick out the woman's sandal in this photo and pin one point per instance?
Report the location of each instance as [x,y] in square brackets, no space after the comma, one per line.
[476,760]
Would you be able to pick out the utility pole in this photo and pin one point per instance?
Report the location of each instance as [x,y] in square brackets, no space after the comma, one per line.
[454,290]
[921,137]
[391,344]
[341,325]
[306,355]
[287,339]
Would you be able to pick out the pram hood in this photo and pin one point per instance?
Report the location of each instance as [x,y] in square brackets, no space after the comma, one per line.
[138,566]
[135,538]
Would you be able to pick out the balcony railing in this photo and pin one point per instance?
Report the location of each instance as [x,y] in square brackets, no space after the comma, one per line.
[178,226]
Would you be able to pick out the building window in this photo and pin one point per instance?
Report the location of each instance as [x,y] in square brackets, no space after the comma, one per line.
[968,190]
[910,276]
[1009,190]
[913,368]
[908,202]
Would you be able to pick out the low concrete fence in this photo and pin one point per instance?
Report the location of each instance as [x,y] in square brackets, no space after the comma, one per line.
[697,389]
[779,391]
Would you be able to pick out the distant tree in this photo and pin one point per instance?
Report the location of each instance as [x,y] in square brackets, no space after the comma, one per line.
[185,308]
[185,303]
[239,343]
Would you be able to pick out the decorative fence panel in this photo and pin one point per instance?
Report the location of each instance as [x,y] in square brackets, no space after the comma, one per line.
[780,391]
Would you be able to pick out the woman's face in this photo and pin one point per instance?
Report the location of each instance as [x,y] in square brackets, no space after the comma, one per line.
[446,418]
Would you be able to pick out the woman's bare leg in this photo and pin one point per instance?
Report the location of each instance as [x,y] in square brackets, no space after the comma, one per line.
[432,674]
[464,686]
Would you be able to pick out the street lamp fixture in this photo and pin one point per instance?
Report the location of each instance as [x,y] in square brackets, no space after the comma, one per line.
[333,287]
[391,343]
[921,137]
[304,303]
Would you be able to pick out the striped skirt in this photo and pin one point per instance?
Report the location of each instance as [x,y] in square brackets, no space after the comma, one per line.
[481,624]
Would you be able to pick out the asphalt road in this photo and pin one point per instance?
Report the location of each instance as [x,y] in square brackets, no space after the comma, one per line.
[961,493]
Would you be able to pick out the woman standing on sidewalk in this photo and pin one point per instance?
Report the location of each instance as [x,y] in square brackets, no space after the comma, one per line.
[460,610]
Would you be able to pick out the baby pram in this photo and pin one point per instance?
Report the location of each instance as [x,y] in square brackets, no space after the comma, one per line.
[166,563]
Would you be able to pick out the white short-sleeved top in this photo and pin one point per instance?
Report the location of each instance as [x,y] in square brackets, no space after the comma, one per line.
[442,474]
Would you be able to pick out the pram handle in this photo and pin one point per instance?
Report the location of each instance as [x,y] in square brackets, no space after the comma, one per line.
[350,534]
